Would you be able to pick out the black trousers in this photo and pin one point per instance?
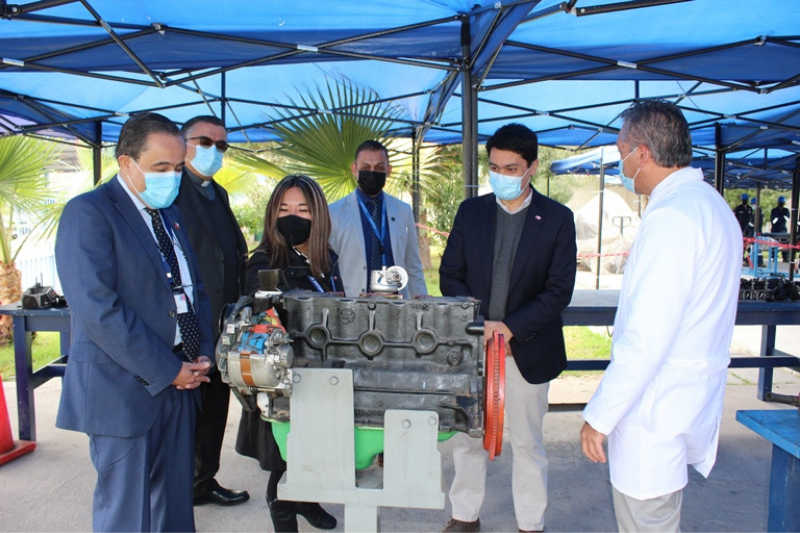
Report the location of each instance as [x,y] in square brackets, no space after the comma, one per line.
[209,432]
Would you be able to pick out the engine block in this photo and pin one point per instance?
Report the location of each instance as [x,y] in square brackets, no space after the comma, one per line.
[421,354]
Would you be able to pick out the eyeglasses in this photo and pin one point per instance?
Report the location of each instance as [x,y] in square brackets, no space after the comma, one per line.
[206,142]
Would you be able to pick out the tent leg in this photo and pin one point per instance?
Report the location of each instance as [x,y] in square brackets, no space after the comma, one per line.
[469,116]
[97,153]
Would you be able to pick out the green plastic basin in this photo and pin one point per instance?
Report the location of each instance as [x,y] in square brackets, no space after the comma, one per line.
[368,441]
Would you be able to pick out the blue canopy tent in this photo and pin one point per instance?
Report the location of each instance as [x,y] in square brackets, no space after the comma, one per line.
[600,162]
[565,69]
[752,169]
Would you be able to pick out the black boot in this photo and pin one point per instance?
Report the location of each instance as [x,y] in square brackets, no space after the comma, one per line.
[284,515]
[316,515]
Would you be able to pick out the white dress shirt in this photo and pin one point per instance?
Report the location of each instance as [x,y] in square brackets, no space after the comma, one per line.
[186,275]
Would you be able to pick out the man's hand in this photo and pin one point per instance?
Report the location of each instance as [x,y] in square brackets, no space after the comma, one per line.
[202,358]
[193,374]
[490,326]
[592,443]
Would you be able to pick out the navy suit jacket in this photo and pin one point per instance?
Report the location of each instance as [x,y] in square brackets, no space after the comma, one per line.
[542,277]
[123,314]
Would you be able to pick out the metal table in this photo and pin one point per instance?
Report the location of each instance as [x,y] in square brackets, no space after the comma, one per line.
[597,308]
[782,429]
[588,308]
[25,321]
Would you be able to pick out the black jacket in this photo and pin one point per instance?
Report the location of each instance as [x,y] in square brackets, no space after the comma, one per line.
[206,246]
[255,437]
[542,277]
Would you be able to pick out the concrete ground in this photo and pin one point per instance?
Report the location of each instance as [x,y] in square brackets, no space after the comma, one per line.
[51,488]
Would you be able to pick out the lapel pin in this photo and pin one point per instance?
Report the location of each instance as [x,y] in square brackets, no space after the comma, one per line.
[538,217]
[177,226]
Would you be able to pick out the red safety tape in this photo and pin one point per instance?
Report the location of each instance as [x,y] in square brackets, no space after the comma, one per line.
[776,244]
[433,230]
[747,240]
[446,234]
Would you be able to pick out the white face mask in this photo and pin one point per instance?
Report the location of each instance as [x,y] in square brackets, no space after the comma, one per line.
[627,182]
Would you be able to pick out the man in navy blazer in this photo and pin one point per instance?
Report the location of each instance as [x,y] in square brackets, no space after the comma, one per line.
[130,383]
[515,251]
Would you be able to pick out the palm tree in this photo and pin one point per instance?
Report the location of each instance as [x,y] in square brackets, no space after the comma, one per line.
[23,195]
[321,132]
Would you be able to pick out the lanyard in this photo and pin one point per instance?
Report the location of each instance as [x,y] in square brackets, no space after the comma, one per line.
[374,227]
[318,287]
[311,278]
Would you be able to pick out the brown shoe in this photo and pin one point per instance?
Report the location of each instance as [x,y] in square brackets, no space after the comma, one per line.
[454,526]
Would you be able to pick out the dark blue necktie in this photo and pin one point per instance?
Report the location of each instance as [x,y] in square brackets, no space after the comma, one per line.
[375,258]
[187,322]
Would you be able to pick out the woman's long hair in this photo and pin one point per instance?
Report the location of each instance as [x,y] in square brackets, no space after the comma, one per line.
[273,243]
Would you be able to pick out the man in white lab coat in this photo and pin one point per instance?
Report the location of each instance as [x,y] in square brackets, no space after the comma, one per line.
[660,400]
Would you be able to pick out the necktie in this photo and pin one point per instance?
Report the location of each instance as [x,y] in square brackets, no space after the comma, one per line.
[376,248]
[187,322]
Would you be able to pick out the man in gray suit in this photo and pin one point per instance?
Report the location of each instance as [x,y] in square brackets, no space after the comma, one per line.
[372,229]
[221,255]
[141,333]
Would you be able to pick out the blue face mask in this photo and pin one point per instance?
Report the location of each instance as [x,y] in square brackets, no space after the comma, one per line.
[506,187]
[626,181]
[207,161]
[160,188]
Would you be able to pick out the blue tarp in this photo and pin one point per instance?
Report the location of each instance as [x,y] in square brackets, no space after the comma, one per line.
[732,66]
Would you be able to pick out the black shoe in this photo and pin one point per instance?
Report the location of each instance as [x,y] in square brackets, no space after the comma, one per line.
[459,526]
[222,496]
[316,515]
[284,515]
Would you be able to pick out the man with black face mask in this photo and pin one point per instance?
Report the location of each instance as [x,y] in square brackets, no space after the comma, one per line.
[372,229]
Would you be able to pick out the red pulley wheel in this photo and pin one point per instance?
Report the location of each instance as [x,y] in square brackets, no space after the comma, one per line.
[495,390]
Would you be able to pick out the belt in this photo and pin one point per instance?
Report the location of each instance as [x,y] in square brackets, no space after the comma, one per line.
[177,348]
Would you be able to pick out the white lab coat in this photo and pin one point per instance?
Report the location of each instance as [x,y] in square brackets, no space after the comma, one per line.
[660,400]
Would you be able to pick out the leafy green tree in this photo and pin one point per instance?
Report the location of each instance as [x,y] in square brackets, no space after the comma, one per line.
[254,174]
[559,188]
[442,195]
[249,207]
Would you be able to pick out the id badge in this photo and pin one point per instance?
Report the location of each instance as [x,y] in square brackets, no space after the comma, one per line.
[181,304]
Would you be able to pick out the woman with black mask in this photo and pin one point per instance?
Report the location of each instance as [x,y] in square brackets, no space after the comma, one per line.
[297,227]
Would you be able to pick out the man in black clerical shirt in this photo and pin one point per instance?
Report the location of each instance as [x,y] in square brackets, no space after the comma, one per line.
[222,256]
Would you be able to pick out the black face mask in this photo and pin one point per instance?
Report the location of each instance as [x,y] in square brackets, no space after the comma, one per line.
[371,182]
[296,230]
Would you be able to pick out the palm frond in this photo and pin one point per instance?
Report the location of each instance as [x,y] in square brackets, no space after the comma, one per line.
[251,162]
[23,184]
[325,125]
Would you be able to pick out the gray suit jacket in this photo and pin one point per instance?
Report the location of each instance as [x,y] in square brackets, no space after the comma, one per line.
[347,240]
